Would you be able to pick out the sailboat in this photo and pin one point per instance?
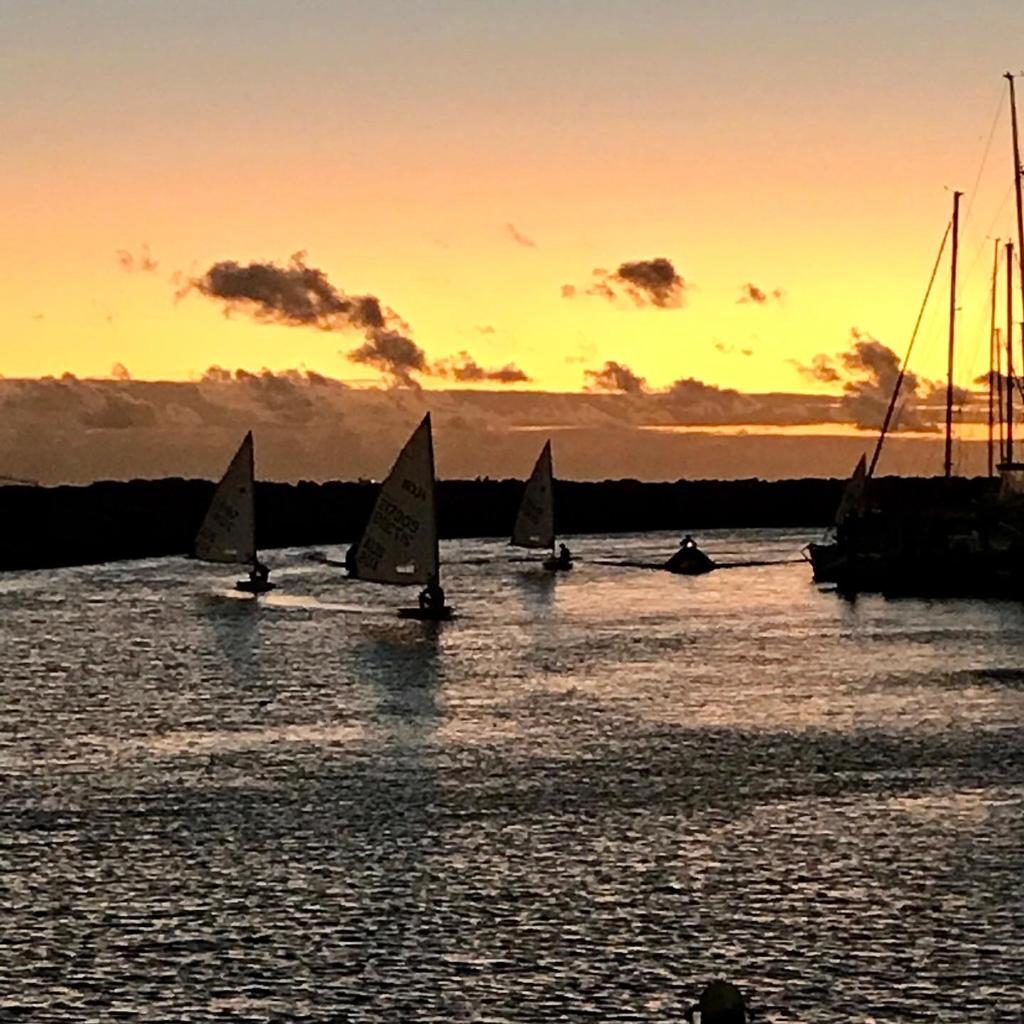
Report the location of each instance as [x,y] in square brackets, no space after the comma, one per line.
[399,544]
[827,557]
[228,532]
[535,520]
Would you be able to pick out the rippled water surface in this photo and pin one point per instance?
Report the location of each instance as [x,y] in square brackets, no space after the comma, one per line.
[577,802]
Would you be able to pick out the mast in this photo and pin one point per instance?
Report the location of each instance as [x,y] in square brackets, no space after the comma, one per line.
[948,461]
[1009,352]
[993,385]
[999,392]
[433,502]
[1016,182]
[252,483]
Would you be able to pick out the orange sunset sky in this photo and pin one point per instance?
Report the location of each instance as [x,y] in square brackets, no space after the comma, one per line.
[463,160]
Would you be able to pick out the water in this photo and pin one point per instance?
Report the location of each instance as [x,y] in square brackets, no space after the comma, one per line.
[578,802]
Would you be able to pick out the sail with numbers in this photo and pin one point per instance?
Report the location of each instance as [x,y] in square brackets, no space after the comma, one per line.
[399,544]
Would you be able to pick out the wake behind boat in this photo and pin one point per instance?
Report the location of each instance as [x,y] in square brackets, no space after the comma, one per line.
[399,545]
[228,531]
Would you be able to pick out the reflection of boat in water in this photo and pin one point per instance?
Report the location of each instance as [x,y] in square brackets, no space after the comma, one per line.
[228,531]
[399,544]
[535,521]
[689,560]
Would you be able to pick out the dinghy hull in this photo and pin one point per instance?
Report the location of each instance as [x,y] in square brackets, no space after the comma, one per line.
[427,614]
[252,587]
[556,565]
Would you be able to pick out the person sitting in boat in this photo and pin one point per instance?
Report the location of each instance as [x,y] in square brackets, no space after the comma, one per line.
[689,560]
[432,596]
[350,561]
[259,574]
[564,557]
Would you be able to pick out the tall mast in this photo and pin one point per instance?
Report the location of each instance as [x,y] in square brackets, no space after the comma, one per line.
[1009,352]
[948,462]
[993,380]
[1016,182]
[999,392]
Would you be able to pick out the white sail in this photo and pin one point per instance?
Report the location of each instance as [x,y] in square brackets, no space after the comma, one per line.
[535,521]
[228,533]
[399,544]
[852,502]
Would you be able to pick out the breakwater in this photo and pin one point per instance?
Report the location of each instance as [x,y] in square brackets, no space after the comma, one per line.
[45,527]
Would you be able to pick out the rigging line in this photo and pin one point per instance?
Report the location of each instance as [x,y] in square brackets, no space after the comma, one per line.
[984,157]
[906,359]
[988,236]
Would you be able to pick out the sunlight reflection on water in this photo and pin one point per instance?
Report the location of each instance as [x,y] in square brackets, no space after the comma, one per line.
[576,802]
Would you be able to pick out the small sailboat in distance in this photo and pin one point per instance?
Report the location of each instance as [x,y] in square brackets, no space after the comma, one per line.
[228,532]
[399,545]
[535,520]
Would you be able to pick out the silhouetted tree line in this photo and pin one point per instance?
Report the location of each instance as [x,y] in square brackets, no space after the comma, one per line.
[44,527]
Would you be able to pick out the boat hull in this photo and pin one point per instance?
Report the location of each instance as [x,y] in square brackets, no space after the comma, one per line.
[689,562]
[556,565]
[252,587]
[427,614]
[827,561]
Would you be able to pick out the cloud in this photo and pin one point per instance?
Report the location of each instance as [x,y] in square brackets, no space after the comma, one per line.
[393,354]
[312,427]
[868,371]
[646,282]
[518,237]
[820,370]
[617,377]
[120,372]
[485,329]
[142,261]
[296,295]
[750,292]
[466,369]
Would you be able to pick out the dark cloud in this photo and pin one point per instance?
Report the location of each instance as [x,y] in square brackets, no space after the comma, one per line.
[296,295]
[142,261]
[820,369]
[518,237]
[617,377]
[646,282]
[694,401]
[868,371]
[395,355]
[466,369]
[751,293]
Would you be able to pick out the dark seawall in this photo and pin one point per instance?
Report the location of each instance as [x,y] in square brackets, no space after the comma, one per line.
[45,527]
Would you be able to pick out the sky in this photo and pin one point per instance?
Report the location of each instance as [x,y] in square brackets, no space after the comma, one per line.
[472,164]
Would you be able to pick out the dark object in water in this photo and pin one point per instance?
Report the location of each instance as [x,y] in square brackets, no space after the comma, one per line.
[720,1003]
[432,613]
[431,606]
[255,586]
[562,562]
[827,560]
[689,560]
